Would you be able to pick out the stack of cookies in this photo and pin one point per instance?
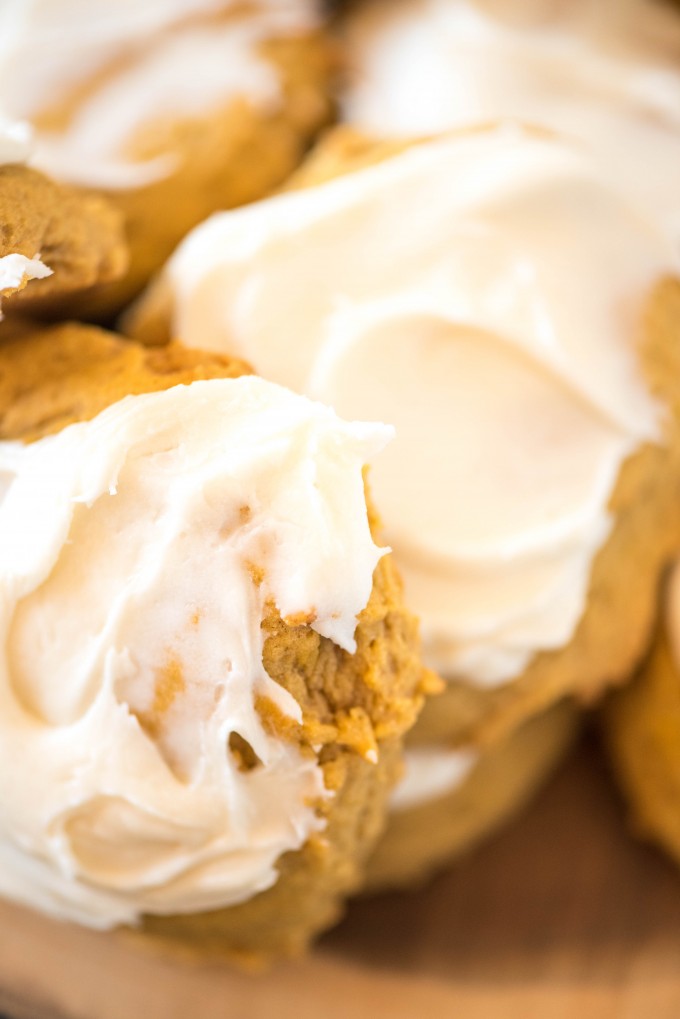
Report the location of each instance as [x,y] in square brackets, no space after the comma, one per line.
[310,566]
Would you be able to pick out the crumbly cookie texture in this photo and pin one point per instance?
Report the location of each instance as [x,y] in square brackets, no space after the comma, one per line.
[237,154]
[355,708]
[616,625]
[419,840]
[642,730]
[78,236]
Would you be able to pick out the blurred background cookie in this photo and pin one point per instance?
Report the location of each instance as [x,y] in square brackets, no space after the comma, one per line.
[172,110]
[208,668]
[449,800]
[603,72]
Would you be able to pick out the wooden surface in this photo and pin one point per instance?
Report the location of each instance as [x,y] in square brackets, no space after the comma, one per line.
[562,915]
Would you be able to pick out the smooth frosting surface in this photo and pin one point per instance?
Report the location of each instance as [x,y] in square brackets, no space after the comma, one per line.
[495,323]
[139,551]
[429,774]
[605,72]
[135,64]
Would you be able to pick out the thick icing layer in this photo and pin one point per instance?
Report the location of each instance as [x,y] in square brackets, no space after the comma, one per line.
[138,553]
[484,294]
[431,773]
[168,62]
[605,72]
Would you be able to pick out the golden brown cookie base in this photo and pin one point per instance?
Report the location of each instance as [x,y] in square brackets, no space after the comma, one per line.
[355,707]
[55,376]
[642,728]
[422,839]
[78,236]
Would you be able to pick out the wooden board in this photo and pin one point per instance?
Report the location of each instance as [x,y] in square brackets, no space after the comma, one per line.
[560,916]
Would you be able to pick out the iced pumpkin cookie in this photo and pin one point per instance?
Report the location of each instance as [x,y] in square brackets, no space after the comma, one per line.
[56,239]
[172,110]
[496,298]
[207,667]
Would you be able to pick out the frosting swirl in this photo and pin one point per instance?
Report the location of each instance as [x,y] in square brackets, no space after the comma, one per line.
[483,293]
[132,643]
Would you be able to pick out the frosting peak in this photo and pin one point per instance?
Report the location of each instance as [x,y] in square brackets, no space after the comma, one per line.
[131,666]
[484,294]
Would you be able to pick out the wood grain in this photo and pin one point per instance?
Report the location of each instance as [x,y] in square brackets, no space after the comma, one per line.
[561,916]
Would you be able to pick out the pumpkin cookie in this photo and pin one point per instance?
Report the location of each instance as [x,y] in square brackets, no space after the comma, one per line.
[171,110]
[517,318]
[208,668]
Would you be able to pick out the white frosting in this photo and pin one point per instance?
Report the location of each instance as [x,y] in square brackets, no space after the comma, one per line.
[15,269]
[484,294]
[429,774]
[15,141]
[606,72]
[132,645]
[172,67]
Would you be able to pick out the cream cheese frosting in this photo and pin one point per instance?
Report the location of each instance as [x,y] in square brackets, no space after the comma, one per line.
[16,269]
[484,294]
[431,773]
[15,141]
[168,60]
[132,643]
[605,72]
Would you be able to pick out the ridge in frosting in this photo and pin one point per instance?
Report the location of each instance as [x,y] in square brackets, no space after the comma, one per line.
[484,294]
[140,551]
